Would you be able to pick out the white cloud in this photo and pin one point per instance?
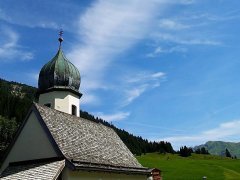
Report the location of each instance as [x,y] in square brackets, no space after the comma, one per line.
[39,14]
[139,83]
[133,94]
[160,50]
[113,117]
[27,21]
[89,98]
[109,28]
[171,24]
[182,30]
[208,17]
[10,48]
[106,30]
[144,77]
[158,75]
[180,42]
[188,40]
[225,131]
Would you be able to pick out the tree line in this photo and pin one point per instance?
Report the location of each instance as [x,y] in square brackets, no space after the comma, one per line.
[187,151]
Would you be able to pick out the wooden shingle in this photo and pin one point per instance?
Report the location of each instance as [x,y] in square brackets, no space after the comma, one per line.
[86,141]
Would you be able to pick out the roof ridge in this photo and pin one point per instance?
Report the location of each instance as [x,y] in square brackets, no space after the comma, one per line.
[75,117]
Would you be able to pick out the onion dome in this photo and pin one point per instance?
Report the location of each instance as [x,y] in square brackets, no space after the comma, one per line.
[59,74]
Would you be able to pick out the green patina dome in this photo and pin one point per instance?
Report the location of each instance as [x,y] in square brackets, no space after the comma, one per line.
[59,74]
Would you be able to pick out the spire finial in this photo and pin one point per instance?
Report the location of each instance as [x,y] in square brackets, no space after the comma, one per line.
[60,39]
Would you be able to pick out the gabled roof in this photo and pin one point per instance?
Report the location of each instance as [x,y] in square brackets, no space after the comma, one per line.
[81,140]
[34,170]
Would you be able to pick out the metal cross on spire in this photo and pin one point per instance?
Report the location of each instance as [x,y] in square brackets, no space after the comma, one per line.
[60,39]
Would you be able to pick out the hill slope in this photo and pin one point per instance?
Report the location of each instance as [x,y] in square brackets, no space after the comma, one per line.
[15,99]
[174,167]
[219,147]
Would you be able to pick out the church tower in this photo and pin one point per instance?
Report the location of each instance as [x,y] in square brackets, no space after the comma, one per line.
[58,84]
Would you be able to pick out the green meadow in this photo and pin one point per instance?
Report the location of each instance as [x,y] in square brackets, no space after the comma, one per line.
[193,167]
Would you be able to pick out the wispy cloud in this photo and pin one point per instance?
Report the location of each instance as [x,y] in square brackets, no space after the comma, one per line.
[188,40]
[133,94]
[225,131]
[90,98]
[144,77]
[108,29]
[113,117]
[107,32]
[39,14]
[10,48]
[160,50]
[179,32]
[208,17]
[170,24]
[26,20]
[138,84]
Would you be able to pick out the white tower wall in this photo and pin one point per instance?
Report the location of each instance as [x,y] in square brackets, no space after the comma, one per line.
[61,100]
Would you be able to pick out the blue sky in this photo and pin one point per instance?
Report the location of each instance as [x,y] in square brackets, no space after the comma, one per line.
[164,70]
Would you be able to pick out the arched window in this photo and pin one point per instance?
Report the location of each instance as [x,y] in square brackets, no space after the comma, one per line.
[74,110]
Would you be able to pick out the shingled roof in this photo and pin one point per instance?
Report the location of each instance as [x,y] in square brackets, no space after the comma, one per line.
[84,141]
[34,170]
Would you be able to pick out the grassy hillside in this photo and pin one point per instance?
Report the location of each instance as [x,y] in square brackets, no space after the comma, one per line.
[193,167]
[219,147]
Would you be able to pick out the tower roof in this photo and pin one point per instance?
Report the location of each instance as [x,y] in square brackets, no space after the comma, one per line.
[59,73]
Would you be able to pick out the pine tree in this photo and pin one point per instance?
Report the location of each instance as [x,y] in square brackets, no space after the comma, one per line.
[185,151]
[204,151]
[198,151]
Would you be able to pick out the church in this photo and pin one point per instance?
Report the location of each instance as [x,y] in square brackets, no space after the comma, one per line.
[55,143]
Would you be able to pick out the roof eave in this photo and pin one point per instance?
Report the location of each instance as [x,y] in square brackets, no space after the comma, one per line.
[115,170]
[110,168]
[59,88]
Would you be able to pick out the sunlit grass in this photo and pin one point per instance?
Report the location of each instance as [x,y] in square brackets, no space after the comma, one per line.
[193,167]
